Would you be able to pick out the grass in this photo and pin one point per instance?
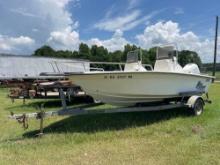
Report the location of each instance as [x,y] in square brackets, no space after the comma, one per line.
[166,137]
[217,75]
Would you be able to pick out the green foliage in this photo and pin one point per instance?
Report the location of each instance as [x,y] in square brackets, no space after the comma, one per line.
[115,56]
[152,55]
[64,54]
[128,48]
[100,53]
[44,51]
[145,56]
[186,56]
[209,67]
[84,51]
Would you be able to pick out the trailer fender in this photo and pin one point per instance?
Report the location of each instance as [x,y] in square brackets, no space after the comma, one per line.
[196,104]
[192,100]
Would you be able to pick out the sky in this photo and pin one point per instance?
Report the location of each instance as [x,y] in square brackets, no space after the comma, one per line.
[26,25]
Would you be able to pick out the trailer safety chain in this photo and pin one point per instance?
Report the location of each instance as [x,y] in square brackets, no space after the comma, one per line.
[23,120]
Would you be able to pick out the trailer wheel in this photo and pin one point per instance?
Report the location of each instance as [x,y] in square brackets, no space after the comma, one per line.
[198,107]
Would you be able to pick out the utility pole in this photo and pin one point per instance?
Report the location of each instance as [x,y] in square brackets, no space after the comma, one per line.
[215,48]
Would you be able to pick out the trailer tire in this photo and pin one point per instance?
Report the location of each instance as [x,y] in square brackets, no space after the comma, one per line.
[198,107]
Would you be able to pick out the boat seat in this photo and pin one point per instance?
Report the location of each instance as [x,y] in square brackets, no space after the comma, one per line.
[167,65]
[133,67]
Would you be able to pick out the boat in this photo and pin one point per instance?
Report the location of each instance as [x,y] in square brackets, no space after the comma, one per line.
[136,83]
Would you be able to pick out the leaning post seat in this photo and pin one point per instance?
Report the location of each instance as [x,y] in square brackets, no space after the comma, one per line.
[166,60]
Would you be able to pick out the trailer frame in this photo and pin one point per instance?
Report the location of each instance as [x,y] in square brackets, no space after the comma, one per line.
[190,100]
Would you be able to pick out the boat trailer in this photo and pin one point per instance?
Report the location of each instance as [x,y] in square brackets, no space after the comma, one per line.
[194,103]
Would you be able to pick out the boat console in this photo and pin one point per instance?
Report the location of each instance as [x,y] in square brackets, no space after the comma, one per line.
[134,63]
[166,61]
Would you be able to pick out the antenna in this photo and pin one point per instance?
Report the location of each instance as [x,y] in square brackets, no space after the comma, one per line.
[215,48]
[140,54]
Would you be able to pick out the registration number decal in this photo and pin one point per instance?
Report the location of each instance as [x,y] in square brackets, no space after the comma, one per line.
[118,77]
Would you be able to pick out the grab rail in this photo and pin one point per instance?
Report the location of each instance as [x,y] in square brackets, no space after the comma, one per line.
[83,63]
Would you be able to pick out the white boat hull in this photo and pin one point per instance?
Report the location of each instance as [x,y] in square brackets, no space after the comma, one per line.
[130,88]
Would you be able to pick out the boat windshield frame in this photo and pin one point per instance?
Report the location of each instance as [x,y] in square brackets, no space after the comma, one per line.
[166,52]
[133,56]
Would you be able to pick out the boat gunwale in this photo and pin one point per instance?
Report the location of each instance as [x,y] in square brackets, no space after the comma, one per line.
[142,72]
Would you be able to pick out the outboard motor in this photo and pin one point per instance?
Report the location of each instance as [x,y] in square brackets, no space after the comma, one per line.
[191,68]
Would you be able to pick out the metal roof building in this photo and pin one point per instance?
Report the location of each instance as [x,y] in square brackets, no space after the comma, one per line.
[14,66]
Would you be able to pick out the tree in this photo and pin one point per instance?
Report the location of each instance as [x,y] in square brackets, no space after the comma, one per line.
[186,56]
[128,48]
[99,53]
[63,54]
[145,57]
[75,54]
[116,56]
[152,55]
[84,51]
[45,51]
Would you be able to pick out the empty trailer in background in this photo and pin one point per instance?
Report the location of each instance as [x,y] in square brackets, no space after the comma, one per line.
[28,67]
[23,74]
